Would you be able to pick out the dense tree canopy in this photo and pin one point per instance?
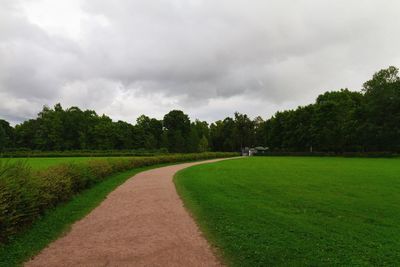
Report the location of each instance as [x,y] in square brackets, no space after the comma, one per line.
[338,121]
[177,129]
[6,135]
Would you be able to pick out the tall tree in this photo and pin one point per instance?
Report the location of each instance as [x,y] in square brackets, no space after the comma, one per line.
[244,130]
[6,135]
[149,131]
[177,127]
[382,110]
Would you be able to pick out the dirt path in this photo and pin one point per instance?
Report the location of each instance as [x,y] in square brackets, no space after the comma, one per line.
[141,223]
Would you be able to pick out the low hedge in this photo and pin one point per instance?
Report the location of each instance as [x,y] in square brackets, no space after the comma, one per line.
[81,153]
[25,194]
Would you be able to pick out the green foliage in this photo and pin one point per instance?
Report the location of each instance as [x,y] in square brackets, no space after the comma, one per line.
[150,131]
[177,127]
[343,121]
[243,130]
[381,130]
[25,193]
[18,194]
[193,140]
[7,135]
[203,144]
[74,129]
[234,134]
[339,121]
[81,153]
[39,163]
[298,211]
[222,135]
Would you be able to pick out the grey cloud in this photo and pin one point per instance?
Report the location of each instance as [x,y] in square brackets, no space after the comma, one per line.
[209,57]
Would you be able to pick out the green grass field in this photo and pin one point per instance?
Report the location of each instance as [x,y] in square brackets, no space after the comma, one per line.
[42,163]
[298,211]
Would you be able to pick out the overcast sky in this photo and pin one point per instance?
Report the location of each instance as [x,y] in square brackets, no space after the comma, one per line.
[209,58]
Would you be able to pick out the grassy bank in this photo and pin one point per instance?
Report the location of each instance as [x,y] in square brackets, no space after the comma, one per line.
[294,211]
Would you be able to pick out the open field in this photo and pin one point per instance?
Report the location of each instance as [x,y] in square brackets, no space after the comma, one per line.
[42,163]
[297,211]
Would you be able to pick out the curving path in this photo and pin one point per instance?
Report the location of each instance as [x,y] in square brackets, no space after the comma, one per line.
[141,223]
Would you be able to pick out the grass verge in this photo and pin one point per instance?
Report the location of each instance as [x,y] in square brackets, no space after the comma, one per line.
[297,211]
[57,221]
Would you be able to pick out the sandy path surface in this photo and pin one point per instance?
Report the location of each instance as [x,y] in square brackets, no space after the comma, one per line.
[141,223]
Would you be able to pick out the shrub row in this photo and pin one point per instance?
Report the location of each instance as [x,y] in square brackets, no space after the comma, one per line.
[23,153]
[25,194]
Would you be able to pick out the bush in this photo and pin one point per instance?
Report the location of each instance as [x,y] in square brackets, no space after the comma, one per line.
[100,168]
[25,194]
[18,198]
[55,186]
[24,153]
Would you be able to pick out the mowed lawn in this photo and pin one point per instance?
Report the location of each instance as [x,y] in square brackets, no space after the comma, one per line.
[42,163]
[298,211]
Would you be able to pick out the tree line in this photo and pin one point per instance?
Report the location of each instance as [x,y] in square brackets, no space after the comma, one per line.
[338,121]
